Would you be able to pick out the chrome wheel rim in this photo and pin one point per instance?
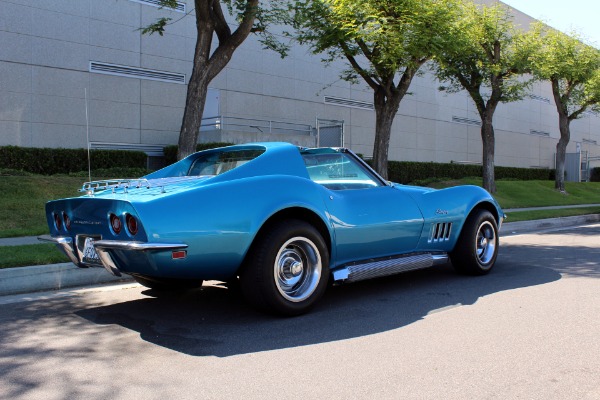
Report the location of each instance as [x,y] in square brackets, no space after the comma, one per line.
[486,243]
[297,269]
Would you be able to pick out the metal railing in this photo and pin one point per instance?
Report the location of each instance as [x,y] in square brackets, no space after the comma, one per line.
[254,125]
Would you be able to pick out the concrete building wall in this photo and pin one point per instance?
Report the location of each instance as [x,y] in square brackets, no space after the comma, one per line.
[46,47]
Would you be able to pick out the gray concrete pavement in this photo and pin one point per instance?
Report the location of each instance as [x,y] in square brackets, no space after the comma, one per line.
[508,210]
[19,241]
[528,330]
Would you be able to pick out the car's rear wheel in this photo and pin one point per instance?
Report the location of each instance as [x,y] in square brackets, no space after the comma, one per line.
[477,247]
[167,284]
[287,270]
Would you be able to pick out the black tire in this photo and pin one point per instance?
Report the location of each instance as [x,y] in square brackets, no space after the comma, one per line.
[477,247]
[287,269]
[167,284]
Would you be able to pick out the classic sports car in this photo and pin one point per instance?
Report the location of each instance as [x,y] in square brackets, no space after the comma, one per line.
[283,220]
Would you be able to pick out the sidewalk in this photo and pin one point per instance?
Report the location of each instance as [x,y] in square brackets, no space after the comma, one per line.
[510,210]
[19,241]
[57,276]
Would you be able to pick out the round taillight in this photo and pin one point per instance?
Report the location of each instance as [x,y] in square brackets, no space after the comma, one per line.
[115,224]
[57,221]
[66,221]
[132,224]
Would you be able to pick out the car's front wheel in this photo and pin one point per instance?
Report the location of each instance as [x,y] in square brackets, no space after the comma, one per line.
[477,247]
[287,270]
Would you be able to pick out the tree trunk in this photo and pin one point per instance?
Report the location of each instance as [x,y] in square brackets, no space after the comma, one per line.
[561,151]
[488,140]
[565,135]
[385,111]
[192,115]
[207,64]
[197,86]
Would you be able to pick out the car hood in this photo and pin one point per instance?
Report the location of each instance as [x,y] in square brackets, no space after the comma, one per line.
[416,190]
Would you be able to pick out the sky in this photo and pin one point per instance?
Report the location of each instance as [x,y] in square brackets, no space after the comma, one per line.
[583,16]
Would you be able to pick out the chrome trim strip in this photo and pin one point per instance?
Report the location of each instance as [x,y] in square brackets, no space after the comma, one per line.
[440,259]
[391,266]
[64,243]
[136,246]
[366,166]
[107,262]
[103,248]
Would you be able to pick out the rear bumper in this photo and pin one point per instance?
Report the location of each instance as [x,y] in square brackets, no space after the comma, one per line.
[104,248]
[65,244]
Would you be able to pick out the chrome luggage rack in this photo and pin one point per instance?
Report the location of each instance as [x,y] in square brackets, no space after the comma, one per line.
[126,184]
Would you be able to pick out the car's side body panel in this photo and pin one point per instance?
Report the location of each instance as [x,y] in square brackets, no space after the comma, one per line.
[451,207]
[376,222]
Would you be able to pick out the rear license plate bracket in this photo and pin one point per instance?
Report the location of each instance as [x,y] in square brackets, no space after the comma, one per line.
[86,250]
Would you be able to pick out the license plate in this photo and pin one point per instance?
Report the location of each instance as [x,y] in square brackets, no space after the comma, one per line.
[89,252]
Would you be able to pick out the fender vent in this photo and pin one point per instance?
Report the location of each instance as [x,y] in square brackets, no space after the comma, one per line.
[440,232]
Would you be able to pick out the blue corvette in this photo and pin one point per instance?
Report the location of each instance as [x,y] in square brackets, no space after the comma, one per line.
[283,220]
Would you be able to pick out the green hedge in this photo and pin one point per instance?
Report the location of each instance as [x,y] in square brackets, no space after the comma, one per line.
[407,172]
[48,161]
[171,151]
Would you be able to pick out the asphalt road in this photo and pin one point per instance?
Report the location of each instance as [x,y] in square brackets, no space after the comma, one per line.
[529,330]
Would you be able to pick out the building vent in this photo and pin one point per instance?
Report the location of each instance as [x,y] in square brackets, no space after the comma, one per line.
[156,3]
[153,150]
[539,98]
[440,232]
[134,72]
[541,133]
[338,101]
[467,121]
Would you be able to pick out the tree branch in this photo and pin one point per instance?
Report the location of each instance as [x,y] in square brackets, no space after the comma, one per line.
[223,53]
[357,67]
[221,27]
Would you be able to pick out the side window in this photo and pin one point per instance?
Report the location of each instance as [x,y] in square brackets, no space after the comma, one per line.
[337,171]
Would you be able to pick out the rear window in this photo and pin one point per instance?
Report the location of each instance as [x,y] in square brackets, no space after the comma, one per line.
[221,162]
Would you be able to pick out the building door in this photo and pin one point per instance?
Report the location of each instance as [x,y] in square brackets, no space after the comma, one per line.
[330,133]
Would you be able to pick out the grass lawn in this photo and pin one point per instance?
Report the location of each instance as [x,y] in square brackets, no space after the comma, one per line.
[22,200]
[520,194]
[32,254]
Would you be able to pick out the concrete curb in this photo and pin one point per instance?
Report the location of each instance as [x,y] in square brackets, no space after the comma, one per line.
[52,277]
[513,228]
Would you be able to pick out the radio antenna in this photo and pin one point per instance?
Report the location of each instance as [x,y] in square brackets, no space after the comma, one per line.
[87,131]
